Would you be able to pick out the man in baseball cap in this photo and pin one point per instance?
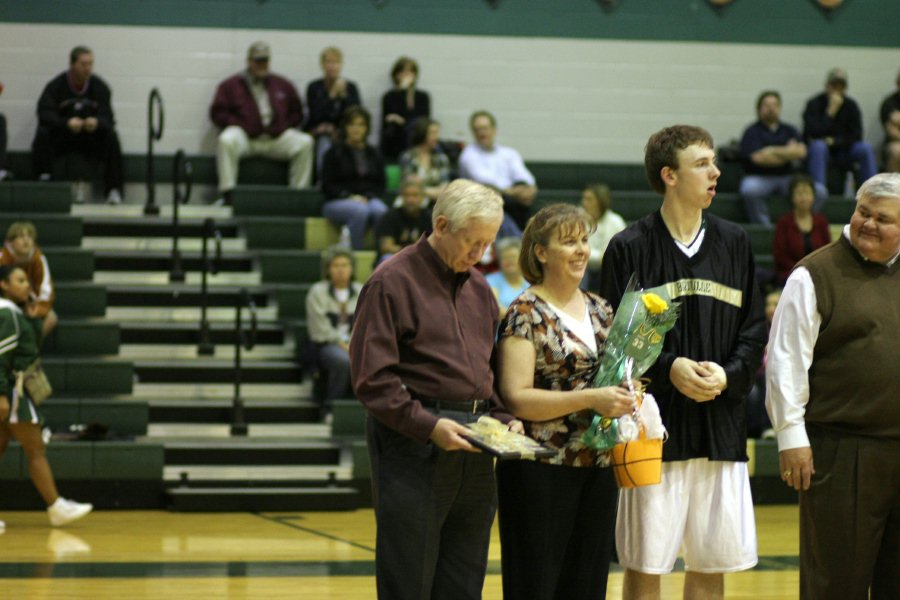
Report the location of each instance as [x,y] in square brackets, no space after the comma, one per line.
[259,113]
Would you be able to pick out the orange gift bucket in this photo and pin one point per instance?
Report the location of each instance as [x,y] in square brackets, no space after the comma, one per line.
[638,463]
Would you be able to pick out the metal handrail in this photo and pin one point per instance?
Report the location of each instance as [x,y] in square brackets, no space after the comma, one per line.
[246,340]
[154,133]
[208,265]
[181,168]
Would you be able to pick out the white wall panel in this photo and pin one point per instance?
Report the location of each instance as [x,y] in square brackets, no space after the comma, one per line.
[555,99]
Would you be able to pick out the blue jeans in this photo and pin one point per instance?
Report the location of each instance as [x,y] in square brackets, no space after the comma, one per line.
[335,362]
[819,155]
[356,216]
[757,189]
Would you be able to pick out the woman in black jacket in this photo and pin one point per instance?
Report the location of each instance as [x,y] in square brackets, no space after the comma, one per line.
[353,178]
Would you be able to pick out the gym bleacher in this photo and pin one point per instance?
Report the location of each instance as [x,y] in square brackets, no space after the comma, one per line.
[124,358]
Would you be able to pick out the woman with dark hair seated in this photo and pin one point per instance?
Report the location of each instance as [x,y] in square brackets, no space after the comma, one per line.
[20,416]
[401,107]
[353,178]
[425,160]
[800,231]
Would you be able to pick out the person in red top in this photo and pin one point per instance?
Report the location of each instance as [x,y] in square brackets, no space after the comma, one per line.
[800,231]
[420,361]
[259,114]
[21,250]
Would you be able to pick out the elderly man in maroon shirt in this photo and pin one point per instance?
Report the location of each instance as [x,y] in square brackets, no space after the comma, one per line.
[421,364]
[259,114]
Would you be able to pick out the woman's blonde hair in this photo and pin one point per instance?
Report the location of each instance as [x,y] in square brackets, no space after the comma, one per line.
[556,219]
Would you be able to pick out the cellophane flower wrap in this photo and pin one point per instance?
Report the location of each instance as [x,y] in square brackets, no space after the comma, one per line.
[638,330]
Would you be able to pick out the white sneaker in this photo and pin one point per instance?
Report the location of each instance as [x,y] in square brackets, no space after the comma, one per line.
[65,511]
[114,197]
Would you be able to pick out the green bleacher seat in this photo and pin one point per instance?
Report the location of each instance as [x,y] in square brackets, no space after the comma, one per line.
[276,233]
[70,264]
[35,197]
[83,337]
[77,298]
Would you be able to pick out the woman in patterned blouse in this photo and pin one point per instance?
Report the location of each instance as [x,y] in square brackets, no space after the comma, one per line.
[426,160]
[557,515]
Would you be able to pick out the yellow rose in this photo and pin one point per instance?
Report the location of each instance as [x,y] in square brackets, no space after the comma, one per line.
[655,305]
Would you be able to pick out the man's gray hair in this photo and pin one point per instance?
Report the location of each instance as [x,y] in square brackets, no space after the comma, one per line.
[464,200]
[882,185]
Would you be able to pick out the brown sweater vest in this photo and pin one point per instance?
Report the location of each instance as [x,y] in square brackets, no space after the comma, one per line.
[855,377]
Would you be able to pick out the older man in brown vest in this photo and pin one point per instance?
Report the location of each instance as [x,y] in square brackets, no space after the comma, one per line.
[833,385]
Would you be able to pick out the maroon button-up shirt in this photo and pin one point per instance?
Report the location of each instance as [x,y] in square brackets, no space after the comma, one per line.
[422,331]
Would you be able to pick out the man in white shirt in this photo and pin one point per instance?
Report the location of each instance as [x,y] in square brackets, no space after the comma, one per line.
[501,168]
[832,386]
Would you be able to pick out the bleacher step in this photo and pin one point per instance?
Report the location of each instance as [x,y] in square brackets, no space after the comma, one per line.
[330,498]
[180,294]
[155,392]
[165,333]
[162,278]
[173,431]
[183,314]
[136,210]
[216,371]
[142,352]
[135,260]
[156,244]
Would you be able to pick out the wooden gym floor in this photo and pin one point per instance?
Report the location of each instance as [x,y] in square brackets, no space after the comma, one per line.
[144,555]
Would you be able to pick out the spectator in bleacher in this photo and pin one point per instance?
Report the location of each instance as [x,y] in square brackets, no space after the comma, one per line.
[403,225]
[890,120]
[21,250]
[401,107]
[800,231]
[758,423]
[75,116]
[507,282]
[832,126]
[353,179]
[3,172]
[501,168]
[425,159]
[771,151]
[20,415]
[596,199]
[259,114]
[330,305]
[328,98]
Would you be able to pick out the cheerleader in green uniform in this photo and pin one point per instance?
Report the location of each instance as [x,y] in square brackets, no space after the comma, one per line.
[20,417]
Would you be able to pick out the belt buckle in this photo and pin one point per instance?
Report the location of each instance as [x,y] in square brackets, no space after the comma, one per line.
[476,405]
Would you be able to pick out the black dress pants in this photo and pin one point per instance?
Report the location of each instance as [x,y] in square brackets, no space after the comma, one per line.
[101,145]
[557,530]
[434,511]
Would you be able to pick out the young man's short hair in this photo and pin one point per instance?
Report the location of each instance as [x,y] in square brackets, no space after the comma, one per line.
[662,150]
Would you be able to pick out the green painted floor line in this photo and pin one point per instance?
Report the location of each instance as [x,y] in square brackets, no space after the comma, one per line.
[239,569]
